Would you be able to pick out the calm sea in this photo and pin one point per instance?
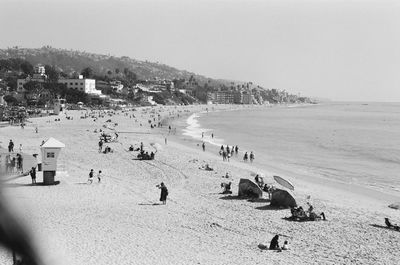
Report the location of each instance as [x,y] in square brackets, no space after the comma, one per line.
[348,142]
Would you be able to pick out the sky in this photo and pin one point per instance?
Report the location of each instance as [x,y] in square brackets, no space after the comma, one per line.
[344,50]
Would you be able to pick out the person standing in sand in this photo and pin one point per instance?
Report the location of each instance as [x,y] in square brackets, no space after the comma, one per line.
[100,145]
[245,157]
[90,180]
[164,192]
[33,175]
[11,146]
[204,146]
[251,156]
[99,175]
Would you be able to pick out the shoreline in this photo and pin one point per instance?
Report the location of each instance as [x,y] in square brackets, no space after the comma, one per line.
[122,215]
[190,132]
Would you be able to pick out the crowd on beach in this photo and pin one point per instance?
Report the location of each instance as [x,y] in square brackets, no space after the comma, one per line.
[13,159]
[108,135]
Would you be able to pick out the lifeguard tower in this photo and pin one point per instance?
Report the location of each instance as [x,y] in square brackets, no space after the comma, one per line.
[59,105]
[50,151]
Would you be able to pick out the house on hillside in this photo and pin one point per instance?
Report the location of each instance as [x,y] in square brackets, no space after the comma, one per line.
[82,84]
[38,76]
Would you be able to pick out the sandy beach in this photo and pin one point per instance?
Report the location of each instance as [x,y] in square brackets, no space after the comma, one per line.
[121,221]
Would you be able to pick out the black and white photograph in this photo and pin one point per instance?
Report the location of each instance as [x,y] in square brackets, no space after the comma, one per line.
[212,132]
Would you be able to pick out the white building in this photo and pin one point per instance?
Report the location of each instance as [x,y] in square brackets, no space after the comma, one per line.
[82,84]
[39,69]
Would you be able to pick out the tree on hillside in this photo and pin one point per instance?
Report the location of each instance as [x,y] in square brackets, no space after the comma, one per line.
[130,75]
[34,89]
[87,72]
[64,75]
[27,68]
[10,100]
[52,73]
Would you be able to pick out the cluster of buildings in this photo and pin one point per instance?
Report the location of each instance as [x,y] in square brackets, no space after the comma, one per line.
[234,97]
[85,85]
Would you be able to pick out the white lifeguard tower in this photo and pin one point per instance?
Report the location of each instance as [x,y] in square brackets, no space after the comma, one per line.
[59,105]
[50,151]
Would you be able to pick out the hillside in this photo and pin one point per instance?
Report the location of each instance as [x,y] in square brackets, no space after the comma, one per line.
[69,61]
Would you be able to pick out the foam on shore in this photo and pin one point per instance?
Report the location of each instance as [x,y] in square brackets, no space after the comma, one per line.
[194,130]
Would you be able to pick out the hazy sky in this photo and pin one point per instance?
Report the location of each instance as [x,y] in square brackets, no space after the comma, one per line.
[342,50]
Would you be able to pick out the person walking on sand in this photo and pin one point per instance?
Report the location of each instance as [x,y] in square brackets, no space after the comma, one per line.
[11,146]
[33,175]
[90,179]
[251,156]
[164,192]
[245,157]
[204,146]
[212,135]
[20,148]
[100,145]
[99,175]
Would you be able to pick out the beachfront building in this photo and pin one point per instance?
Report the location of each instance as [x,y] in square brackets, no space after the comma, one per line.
[221,97]
[38,76]
[247,98]
[82,84]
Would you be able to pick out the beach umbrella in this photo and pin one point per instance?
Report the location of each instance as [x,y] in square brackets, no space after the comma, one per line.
[284,182]
[248,188]
[282,198]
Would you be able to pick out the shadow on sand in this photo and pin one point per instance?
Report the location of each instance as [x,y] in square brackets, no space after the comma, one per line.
[270,208]
[16,185]
[385,227]
[234,197]
[150,204]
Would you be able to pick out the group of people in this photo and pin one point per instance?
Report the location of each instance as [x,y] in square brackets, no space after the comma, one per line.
[299,214]
[91,176]
[13,161]
[274,245]
[106,150]
[246,157]
[228,152]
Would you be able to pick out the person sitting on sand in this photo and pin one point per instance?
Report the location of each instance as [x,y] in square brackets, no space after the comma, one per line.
[226,187]
[131,148]
[285,245]
[274,245]
[259,180]
[208,168]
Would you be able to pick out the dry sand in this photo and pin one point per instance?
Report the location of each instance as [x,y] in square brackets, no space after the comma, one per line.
[119,220]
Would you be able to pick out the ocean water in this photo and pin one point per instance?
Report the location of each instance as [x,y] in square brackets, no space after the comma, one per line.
[346,142]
